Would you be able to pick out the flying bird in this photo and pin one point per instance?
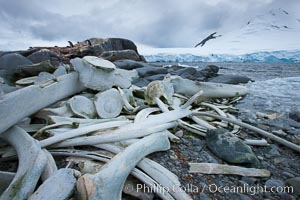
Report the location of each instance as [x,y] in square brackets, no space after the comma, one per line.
[211,36]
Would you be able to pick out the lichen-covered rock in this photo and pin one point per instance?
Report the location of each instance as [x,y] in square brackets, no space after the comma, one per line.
[120,54]
[12,61]
[230,148]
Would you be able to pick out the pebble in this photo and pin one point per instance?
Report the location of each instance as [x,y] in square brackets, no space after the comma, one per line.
[274,183]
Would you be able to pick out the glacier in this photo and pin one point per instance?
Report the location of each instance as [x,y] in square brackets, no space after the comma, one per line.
[274,56]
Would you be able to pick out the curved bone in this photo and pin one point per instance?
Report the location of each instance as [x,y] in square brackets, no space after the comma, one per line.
[157,188]
[154,123]
[255,129]
[116,135]
[59,186]
[35,98]
[32,161]
[50,167]
[81,131]
[108,183]
[125,101]
[143,114]
[159,173]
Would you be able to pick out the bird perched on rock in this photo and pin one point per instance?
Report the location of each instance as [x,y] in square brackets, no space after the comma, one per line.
[71,44]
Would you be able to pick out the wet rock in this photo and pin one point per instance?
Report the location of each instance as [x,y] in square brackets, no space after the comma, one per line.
[273,151]
[230,148]
[156,77]
[13,60]
[129,64]
[186,72]
[44,55]
[151,70]
[295,183]
[209,71]
[230,79]
[204,196]
[121,54]
[249,180]
[140,82]
[274,183]
[295,115]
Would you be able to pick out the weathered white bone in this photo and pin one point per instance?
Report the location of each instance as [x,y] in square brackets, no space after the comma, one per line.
[100,63]
[125,101]
[191,128]
[116,135]
[92,167]
[108,104]
[26,81]
[159,173]
[32,161]
[104,185]
[157,188]
[261,142]
[60,71]
[5,180]
[44,78]
[255,129]
[50,167]
[67,120]
[35,98]
[218,110]
[153,124]
[63,111]
[59,186]
[82,107]
[158,89]
[143,114]
[213,168]
[101,80]
[210,90]
[81,131]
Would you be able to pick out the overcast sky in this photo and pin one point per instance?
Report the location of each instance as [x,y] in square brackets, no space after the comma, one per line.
[159,23]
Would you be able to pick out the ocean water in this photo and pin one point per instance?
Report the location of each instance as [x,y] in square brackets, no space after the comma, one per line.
[276,87]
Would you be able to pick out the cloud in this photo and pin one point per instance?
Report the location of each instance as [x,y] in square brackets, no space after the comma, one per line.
[168,23]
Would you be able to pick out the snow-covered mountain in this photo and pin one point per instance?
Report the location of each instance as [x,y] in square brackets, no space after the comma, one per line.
[273,36]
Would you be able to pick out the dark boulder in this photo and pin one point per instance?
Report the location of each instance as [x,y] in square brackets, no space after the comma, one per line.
[140,82]
[230,148]
[129,64]
[295,115]
[120,54]
[230,79]
[44,55]
[210,71]
[12,61]
[151,70]
[156,77]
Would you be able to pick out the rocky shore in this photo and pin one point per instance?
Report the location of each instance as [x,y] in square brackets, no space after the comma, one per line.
[113,68]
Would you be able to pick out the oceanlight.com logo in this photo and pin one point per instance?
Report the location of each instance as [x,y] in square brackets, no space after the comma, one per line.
[212,188]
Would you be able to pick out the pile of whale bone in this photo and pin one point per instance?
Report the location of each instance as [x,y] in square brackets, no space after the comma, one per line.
[90,114]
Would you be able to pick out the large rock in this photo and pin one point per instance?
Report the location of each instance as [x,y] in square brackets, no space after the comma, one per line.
[12,61]
[295,115]
[295,183]
[150,71]
[186,72]
[99,45]
[209,71]
[231,149]
[230,79]
[120,54]
[129,64]
[44,55]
